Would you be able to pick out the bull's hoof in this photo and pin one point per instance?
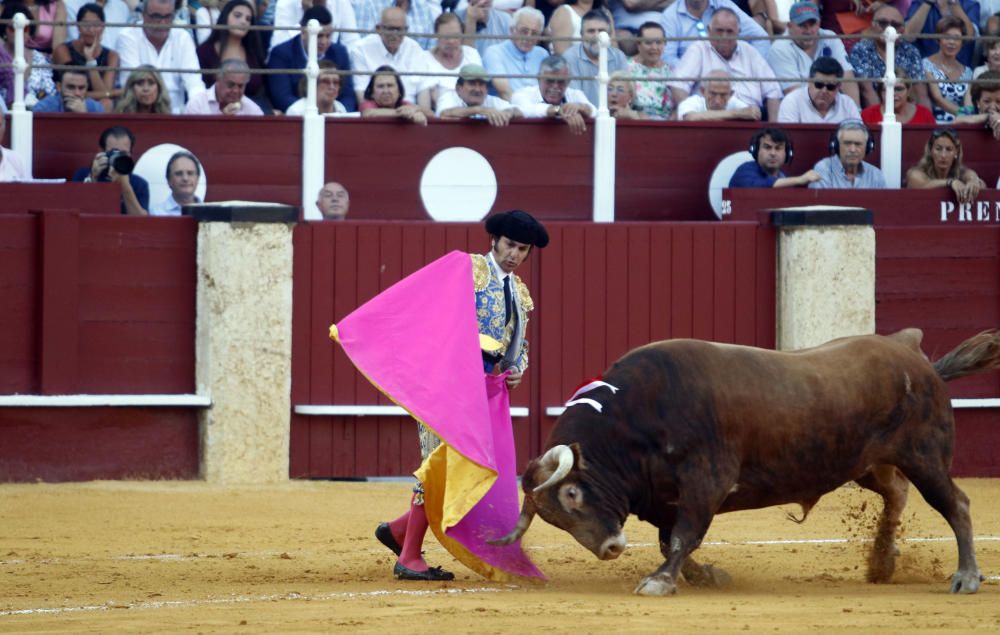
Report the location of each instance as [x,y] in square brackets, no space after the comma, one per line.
[656,585]
[966,582]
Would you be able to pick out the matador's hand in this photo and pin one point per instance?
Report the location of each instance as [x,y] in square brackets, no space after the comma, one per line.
[514,378]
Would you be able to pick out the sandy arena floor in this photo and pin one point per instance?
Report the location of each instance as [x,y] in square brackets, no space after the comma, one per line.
[188,557]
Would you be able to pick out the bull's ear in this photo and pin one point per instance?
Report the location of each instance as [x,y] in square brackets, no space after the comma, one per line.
[578,461]
[530,477]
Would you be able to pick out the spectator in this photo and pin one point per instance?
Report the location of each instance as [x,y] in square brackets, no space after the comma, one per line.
[72,95]
[39,84]
[567,22]
[553,98]
[621,95]
[385,97]
[288,13]
[941,166]
[157,44]
[821,101]
[771,148]
[333,201]
[582,56]
[183,174]
[205,16]
[47,37]
[481,18]
[420,17]
[118,142]
[449,55]
[992,62]
[470,101]
[986,102]
[716,102]
[688,18]
[794,57]
[520,55]
[845,168]
[11,166]
[868,59]
[228,95]
[652,96]
[366,13]
[736,57]
[948,79]
[88,52]
[907,111]
[923,18]
[281,88]
[144,93]
[389,46]
[327,89]
[115,12]
[236,41]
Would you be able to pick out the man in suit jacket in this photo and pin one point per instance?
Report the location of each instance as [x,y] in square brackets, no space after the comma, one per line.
[283,89]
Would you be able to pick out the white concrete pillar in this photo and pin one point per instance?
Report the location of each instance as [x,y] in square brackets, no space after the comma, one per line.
[244,340]
[826,275]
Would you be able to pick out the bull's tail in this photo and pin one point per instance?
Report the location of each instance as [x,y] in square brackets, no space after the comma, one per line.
[977,354]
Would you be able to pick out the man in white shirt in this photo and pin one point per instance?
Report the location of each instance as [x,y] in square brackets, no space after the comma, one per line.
[470,101]
[821,101]
[390,47]
[288,13]
[792,58]
[739,59]
[228,95]
[552,98]
[716,102]
[162,47]
[183,173]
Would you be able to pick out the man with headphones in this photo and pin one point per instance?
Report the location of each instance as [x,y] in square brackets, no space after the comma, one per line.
[846,168]
[770,148]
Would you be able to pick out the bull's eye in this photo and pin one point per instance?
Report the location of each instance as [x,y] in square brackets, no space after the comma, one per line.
[571,497]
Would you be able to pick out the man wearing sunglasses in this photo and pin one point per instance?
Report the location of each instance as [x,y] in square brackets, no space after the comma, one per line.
[923,16]
[792,58]
[821,101]
[162,47]
[868,59]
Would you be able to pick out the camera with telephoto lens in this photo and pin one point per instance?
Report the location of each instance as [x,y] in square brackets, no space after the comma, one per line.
[120,161]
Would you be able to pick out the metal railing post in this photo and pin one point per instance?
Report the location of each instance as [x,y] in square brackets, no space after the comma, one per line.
[313,130]
[21,132]
[892,130]
[604,143]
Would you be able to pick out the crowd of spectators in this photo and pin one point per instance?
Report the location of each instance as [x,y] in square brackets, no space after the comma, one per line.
[826,66]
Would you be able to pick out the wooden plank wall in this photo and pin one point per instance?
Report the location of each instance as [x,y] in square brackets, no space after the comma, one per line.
[599,291]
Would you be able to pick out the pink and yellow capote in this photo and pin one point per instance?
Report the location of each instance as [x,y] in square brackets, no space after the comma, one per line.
[418,343]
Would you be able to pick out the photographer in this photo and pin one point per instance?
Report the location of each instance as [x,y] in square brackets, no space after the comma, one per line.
[114,164]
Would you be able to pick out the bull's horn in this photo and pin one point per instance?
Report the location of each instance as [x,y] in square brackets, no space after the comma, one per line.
[527,513]
[560,456]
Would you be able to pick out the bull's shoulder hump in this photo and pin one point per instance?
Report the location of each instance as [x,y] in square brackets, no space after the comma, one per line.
[911,338]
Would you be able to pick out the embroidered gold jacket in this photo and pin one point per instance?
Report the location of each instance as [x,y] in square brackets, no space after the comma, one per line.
[490,312]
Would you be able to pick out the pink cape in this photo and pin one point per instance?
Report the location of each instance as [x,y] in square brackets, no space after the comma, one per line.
[418,343]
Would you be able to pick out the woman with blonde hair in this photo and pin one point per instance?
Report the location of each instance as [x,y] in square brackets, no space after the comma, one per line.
[941,166]
[621,94]
[145,92]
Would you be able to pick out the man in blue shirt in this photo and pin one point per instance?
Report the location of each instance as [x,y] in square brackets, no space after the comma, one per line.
[283,88]
[72,95]
[771,148]
[519,55]
[582,57]
[119,141]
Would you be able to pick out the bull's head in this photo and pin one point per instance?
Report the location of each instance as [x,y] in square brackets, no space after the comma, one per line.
[557,488]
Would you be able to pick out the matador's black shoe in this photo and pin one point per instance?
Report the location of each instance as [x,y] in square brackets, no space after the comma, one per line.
[433,574]
[384,535]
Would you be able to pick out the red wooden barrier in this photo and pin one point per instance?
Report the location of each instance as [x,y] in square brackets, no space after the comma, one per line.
[599,291]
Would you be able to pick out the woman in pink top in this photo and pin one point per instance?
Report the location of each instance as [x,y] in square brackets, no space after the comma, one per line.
[384,97]
[47,37]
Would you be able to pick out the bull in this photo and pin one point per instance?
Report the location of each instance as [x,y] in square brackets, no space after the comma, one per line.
[682,430]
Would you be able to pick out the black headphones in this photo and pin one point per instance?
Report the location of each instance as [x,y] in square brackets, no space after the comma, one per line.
[778,136]
[851,124]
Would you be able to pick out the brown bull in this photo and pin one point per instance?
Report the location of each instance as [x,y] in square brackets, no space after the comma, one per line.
[696,429]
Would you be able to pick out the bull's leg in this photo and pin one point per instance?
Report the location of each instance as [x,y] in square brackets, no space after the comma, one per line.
[892,486]
[942,494]
[683,538]
[695,574]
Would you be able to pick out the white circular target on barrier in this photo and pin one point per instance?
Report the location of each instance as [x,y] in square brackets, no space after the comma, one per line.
[458,185]
[721,176]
